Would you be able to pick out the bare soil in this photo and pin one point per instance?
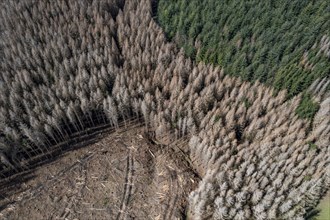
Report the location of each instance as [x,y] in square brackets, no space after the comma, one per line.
[125,175]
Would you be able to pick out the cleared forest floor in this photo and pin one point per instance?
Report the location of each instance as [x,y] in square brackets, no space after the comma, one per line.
[124,175]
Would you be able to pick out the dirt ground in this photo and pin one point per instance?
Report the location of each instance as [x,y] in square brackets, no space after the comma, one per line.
[124,175]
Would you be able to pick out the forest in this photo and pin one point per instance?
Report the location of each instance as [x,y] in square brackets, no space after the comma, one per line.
[284,44]
[246,83]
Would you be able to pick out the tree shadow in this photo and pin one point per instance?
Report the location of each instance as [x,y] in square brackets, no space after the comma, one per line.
[12,181]
[312,214]
[12,185]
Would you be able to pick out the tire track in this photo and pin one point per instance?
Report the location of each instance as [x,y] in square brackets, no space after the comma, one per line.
[128,186]
[173,193]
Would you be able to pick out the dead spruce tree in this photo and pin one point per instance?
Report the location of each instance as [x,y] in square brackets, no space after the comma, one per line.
[56,70]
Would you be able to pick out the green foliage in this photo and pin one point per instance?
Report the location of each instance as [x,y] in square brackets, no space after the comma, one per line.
[106,202]
[313,146]
[217,118]
[256,40]
[307,177]
[307,107]
[247,103]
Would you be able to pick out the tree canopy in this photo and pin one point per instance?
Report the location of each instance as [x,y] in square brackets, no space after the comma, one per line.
[281,43]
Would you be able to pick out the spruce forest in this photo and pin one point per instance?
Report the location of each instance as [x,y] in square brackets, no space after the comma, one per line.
[241,88]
